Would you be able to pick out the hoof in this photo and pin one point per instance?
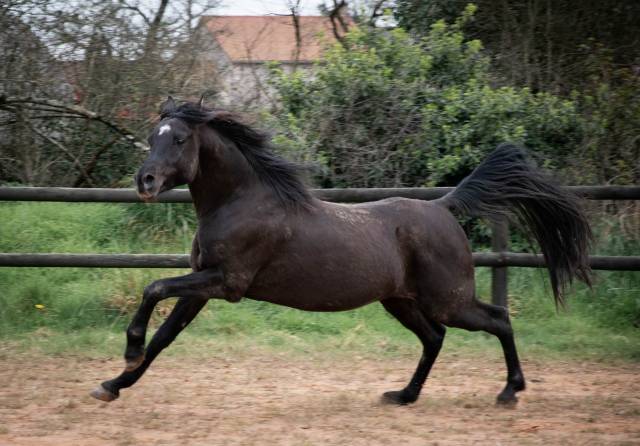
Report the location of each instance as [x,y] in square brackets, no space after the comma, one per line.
[397,397]
[102,394]
[132,364]
[506,400]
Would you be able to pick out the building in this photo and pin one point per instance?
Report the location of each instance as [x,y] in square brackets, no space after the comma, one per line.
[239,48]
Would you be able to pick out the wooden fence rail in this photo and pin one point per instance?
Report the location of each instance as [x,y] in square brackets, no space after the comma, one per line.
[355,195]
[488,259]
[498,260]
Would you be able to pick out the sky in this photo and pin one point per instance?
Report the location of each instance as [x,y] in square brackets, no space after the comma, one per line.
[264,7]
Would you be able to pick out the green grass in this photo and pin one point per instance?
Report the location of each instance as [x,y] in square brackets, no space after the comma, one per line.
[84,311]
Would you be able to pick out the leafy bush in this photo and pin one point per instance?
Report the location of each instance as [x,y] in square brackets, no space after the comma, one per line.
[610,108]
[385,109]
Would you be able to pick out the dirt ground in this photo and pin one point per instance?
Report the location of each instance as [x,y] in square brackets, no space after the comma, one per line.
[277,400]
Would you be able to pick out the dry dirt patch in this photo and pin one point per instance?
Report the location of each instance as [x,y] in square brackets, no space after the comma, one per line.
[274,399]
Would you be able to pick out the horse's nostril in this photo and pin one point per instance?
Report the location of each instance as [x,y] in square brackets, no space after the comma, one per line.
[148,179]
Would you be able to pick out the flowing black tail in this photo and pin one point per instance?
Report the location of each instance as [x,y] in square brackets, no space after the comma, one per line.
[507,183]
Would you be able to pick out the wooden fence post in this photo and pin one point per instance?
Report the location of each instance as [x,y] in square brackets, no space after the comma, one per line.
[499,243]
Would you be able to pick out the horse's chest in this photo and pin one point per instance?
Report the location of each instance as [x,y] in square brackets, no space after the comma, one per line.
[212,253]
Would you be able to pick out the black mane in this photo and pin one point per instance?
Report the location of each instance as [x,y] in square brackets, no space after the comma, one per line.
[276,172]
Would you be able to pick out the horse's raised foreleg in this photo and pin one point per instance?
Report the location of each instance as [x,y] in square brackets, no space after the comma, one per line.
[182,314]
[194,290]
[200,285]
[430,333]
[495,320]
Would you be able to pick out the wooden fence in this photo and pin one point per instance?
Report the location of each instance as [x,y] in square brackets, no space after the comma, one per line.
[499,260]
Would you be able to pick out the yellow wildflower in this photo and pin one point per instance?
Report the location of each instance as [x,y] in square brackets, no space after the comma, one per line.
[39,306]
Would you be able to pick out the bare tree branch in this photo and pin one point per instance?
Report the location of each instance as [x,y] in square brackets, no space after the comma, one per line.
[96,69]
[144,17]
[87,169]
[64,150]
[154,28]
[294,7]
[10,103]
[338,24]
[376,12]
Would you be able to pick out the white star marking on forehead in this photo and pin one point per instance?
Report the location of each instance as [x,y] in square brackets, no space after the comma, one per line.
[163,129]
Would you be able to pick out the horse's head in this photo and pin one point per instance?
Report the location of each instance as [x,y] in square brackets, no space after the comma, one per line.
[173,157]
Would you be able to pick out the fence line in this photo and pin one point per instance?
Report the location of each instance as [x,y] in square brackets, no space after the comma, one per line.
[486,259]
[355,195]
[498,260]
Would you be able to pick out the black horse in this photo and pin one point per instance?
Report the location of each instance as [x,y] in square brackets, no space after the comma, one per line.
[261,235]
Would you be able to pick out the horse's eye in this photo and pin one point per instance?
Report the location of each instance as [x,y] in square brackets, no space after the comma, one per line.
[180,141]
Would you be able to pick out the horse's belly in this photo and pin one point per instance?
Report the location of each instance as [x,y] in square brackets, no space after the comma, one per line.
[314,303]
[333,286]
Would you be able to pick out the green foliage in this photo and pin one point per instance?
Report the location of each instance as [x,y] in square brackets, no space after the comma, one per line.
[150,222]
[73,298]
[567,48]
[610,106]
[544,45]
[385,109]
[418,15]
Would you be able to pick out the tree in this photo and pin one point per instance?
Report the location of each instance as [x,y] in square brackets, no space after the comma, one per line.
[541,44]
[110,60]
[587,51]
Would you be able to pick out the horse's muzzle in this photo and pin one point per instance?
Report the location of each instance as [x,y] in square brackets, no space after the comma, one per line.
[148,185]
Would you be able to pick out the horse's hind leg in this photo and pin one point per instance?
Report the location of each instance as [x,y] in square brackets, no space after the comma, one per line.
[430,333]
[183,313]
[495,320]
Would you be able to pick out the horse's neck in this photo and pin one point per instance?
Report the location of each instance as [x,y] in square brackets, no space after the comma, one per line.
[222,176]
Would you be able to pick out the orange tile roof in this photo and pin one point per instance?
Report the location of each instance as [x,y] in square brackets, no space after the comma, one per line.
[270,38]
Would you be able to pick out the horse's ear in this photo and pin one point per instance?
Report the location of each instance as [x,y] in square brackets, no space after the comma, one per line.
[167,106]
[201,102]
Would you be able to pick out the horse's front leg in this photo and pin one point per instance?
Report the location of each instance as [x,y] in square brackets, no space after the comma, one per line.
[195,289]
[182,314]
[200,285]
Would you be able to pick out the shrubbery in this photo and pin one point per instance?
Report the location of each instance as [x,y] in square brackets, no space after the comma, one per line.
[386,109]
